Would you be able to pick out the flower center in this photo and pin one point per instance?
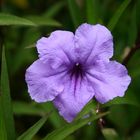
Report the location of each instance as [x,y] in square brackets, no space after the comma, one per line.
[77,70]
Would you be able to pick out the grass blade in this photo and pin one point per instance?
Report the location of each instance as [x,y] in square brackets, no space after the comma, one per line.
[63,132]
[127,99]
[30,133]
[132,32]
[6,100]
[3,133]
[53,10]
[7,19]
[114,20]
[22,108]
[92,11]
[89,108]
[110,134]
[43,21]
[75,12]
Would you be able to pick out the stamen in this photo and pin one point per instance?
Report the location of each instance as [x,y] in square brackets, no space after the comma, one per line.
[77,64]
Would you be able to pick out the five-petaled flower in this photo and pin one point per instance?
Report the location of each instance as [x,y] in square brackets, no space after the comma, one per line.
[72,69]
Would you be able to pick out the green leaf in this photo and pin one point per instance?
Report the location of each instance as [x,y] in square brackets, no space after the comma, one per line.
[53,10]
[7,19]
[110,134]
[92,11]
[6,105]
[132,30]
[55,118]
[114,20]
[43,21]
[23,55]
[3,133]
[22,108]
[129,99]
[136,135]
[75,13]
[30,133]
[89,108]
[123,117]
[30,46]
[63,132]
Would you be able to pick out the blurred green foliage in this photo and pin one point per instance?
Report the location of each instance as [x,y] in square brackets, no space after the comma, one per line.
[22,23]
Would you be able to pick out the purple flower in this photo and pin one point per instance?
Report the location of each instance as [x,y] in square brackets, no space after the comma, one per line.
[74,68]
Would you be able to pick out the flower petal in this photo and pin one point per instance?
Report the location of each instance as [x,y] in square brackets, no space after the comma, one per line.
[92,41]
[77,93]
[58,48]
[44,83]
[109,80]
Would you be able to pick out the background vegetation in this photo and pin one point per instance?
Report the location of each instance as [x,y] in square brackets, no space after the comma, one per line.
[22,23]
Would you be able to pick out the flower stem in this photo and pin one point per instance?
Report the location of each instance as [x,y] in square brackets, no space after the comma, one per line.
[101,122]
[132,52]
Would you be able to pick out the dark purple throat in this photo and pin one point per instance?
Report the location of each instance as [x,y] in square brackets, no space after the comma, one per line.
[77,71]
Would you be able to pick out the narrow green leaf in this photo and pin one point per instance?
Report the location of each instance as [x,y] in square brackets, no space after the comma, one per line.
[30,133]
[110,134]
[53,10]
[89,108]
[114,20]
[135,72]
[43,21]
[123,117]
[6,100]
[132,31]
[3,133]
[55,118]
[75,12]
[22,108]
[92,11]
[136,135]
[7,19]
[63,132]
[127,99]
[30,46]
